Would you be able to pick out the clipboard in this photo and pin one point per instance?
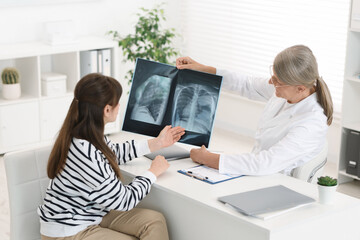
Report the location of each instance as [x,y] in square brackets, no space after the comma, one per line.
[207,174]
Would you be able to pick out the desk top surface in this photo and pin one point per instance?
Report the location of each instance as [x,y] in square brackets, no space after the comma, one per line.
[207,194]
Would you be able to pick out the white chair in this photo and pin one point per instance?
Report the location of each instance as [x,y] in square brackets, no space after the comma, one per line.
[27,182]
[311,170]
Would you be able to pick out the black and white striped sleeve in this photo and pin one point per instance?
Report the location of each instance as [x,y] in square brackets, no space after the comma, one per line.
[113,194]
[129,150]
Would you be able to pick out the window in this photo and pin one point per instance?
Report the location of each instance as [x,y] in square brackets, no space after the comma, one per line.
[246,35]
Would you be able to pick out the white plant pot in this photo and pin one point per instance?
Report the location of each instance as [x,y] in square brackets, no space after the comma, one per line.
[11,91]
[326,194]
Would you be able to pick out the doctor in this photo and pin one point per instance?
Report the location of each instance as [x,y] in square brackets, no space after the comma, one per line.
[293,126]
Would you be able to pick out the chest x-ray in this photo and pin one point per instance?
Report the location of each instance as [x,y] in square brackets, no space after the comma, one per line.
[162,95]
[194,107]
[151,100]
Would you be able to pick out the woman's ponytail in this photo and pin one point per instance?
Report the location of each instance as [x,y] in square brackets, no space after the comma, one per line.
[60,150]
[324,99]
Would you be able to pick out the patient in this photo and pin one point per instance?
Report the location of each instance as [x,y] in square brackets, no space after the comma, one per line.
[86,198]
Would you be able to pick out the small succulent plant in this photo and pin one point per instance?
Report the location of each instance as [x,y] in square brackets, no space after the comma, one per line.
[10,76]
[327,181]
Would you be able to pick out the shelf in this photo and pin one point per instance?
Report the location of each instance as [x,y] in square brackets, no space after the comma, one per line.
[352,125]
[350,188]
[24,98]
[353,79]
[350,113]
[43,116]
[355,30]
[343,172]
[67,94]
[37,48]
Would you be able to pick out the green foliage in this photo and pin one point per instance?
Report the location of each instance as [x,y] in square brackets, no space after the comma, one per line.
[149,41]
[10,76]
[327,181]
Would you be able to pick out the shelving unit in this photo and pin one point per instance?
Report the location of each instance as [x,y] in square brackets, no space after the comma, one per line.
[351,91]
[34,119]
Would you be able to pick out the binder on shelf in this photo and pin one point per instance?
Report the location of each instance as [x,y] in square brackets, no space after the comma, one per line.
[267,202]
[350,150]
[95,61]
[104,65]
[88,62]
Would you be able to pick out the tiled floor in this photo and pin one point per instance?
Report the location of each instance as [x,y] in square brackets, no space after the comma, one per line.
[352,189]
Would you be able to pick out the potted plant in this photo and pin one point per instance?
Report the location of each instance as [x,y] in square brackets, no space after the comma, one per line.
[149,41]
[11,85]
[327,188]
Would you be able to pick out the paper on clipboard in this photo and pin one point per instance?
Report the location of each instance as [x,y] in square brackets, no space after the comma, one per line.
[207,174]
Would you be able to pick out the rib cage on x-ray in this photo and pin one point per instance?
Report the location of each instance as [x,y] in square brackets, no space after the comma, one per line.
[151,100]
[194,107]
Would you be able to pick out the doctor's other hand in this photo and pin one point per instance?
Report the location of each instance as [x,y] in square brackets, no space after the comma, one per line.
[203,156]
[189,63]
[167,137]
[159,165]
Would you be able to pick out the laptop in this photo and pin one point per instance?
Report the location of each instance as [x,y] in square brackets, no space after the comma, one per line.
[266,200]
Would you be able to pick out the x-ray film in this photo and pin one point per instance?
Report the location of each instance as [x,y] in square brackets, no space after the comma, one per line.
[162,95]
[151,100]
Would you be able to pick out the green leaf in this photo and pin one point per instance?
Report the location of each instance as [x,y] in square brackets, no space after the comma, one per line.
[327,181]
[149,40]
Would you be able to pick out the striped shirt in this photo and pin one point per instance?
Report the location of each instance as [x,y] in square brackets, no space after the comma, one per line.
[88,188]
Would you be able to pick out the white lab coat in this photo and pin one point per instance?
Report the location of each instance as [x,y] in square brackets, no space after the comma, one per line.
[288,135]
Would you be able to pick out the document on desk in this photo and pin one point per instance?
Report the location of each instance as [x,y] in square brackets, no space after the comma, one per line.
[267,202]
[207,174]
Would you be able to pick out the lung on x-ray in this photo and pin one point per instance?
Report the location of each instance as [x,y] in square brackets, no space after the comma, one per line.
[162,95]
[151,100]
[194,105]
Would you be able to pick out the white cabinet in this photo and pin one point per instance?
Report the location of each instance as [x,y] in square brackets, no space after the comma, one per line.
[53,112]
[19,125]
[34,118]
[349,160]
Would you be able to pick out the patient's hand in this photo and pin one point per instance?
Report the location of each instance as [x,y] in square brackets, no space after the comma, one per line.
[159,165]
[167,137]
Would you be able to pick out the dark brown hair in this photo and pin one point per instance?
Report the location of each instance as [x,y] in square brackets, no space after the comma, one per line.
[85,120]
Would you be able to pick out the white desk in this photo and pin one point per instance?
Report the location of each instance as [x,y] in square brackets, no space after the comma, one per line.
[193,211]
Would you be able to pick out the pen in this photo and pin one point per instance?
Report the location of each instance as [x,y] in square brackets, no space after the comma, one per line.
[190,173]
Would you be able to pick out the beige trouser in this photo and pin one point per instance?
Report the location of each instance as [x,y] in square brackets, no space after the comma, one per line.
[138,223]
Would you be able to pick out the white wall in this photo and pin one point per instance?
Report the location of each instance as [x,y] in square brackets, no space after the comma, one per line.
[25,23]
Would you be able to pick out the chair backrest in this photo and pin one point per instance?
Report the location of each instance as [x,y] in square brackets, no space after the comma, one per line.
[27,182]
[311,170]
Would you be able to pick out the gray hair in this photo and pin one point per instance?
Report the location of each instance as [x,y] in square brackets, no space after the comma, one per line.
[297,65]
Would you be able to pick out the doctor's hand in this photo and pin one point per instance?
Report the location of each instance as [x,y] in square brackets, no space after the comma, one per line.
[203,156]
[167,137]
[188,63]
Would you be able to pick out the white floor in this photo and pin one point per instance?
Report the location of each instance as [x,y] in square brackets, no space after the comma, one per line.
[352,189]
